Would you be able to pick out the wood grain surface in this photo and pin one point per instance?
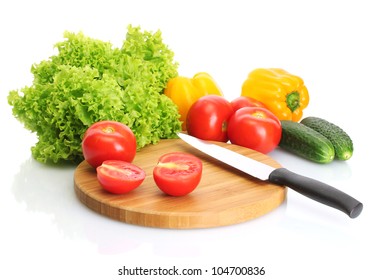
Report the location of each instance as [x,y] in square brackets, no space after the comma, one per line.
[224,196]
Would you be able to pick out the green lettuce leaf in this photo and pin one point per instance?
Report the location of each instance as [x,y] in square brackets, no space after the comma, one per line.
[89,81]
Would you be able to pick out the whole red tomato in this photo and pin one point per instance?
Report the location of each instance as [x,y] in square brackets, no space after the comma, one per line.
[255,128]
[208,117]
[108,140]
[178,173]
[245,101]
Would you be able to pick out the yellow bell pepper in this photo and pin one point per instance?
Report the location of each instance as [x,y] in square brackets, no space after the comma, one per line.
[284,94]
[185,91]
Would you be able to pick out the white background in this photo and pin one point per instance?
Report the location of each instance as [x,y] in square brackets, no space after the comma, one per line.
[335,46]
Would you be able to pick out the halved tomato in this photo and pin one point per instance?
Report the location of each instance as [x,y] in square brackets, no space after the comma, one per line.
[178,173]
[119,177]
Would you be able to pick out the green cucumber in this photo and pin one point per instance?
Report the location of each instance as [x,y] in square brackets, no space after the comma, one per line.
[304,141]
[342,143]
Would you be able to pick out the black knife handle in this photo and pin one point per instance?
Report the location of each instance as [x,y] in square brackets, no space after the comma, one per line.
[317,191]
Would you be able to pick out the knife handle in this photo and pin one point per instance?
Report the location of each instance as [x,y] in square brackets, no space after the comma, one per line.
[317,191]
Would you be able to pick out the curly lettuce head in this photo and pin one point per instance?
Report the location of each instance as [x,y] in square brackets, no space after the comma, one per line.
[89,81]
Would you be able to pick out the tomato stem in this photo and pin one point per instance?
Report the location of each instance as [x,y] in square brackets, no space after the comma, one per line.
[108,129]
[259,115]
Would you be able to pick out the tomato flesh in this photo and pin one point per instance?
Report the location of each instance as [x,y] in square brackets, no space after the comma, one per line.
[119,177]
[108,140]
[255,128]
[178,173]
[208,117]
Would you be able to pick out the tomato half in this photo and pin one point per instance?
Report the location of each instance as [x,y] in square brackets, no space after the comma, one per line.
[178,173]
[208,117]
[246,101]
[108,140]
[255,128]
[119,177]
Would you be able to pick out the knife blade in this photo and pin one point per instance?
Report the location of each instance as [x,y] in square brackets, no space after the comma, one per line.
[309,187]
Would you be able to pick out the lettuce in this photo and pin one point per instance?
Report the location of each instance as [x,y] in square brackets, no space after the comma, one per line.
[88,81]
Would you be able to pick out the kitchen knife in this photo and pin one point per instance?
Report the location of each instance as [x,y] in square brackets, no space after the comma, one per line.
[309,187]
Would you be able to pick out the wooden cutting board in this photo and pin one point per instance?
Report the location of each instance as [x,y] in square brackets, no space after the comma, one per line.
[224,196]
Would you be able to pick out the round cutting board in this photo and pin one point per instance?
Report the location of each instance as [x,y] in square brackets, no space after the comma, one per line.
[224,196]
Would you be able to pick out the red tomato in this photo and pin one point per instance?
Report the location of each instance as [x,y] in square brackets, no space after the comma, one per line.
[119,177]
[178,173]
[245,101]
[208,117]
[108,140]
[255,128]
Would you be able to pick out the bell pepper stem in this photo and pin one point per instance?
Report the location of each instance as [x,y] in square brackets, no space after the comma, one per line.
[293,100]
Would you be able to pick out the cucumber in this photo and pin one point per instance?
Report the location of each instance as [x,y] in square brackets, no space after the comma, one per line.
[342,143]
[304,141]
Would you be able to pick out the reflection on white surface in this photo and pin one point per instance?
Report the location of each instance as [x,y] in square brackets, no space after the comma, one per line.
[49,189]
[335,170]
